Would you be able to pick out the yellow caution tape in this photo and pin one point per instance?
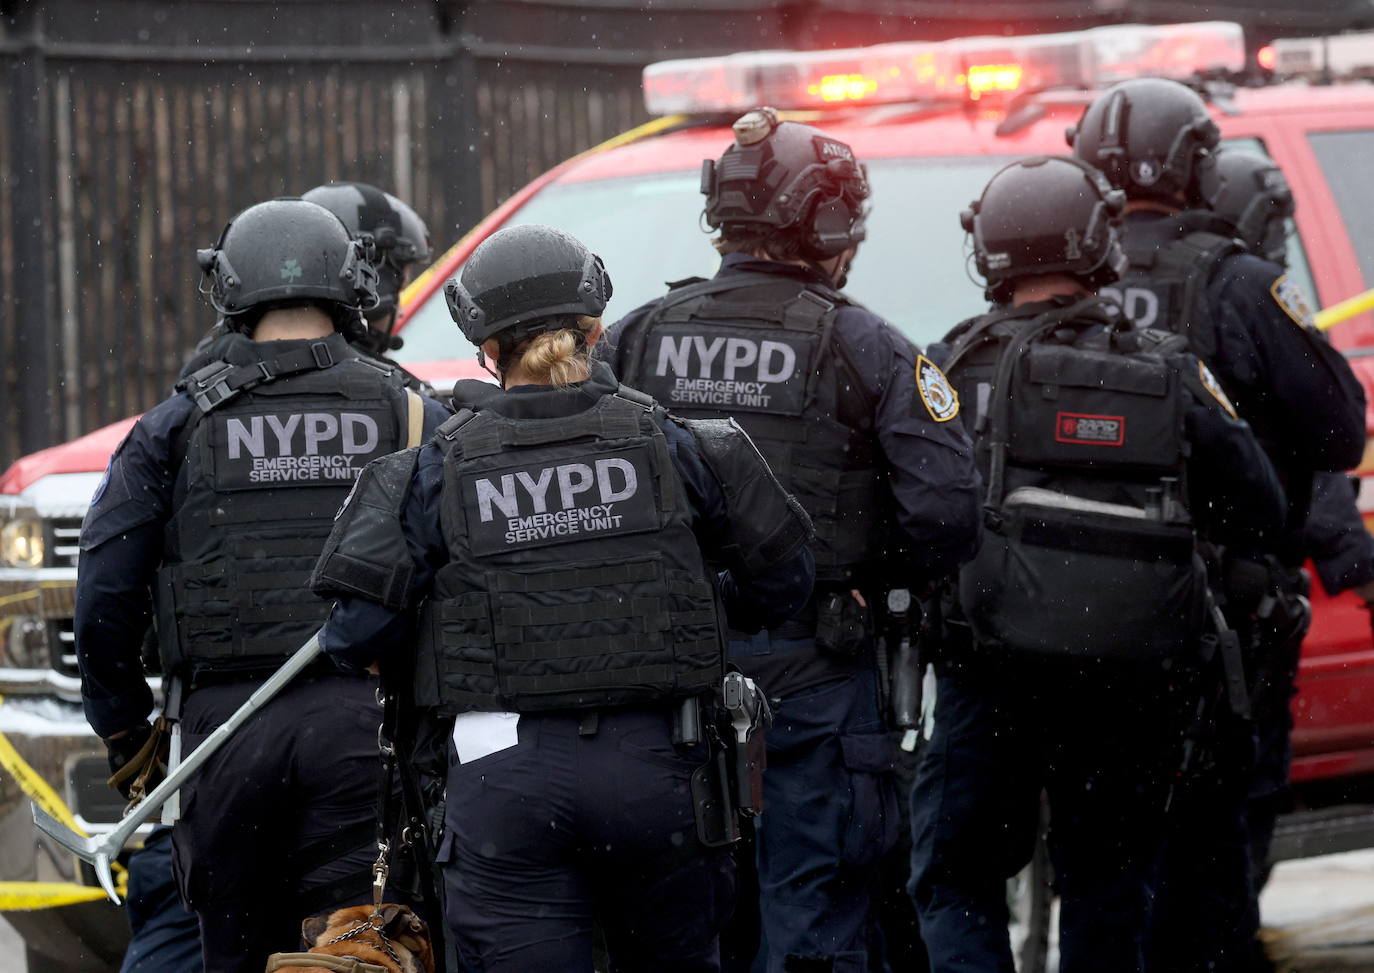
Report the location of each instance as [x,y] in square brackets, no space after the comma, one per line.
[28,896]
[41,895]
[644,131]
[33,785]
[1328,318]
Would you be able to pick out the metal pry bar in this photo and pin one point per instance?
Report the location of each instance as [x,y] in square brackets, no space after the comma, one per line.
[102,849]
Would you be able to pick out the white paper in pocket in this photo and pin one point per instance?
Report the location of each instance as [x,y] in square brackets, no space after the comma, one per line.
[478,735]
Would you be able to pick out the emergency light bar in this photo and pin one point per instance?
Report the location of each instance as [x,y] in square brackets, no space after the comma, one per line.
[1342,55]
[966,68]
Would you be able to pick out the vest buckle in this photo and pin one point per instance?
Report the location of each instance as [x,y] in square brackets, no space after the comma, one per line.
[210,397]
[321,353]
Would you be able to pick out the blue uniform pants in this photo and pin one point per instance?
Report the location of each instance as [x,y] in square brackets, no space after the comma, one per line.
[304,769]
[1206,918]
[569,827]
[1100,740]
[830,814]
[166,937]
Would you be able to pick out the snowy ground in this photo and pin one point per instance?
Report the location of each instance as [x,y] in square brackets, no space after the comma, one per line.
[1318,913]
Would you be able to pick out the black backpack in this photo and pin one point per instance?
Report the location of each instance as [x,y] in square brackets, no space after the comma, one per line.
[1090,550]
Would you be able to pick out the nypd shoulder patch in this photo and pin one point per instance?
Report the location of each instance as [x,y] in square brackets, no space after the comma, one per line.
[940,399]
[1213,387]
[1289,296]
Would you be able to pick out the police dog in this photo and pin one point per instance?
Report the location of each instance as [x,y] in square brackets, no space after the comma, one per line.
[394,941]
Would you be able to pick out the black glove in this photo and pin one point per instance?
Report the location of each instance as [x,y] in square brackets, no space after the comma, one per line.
[124,751]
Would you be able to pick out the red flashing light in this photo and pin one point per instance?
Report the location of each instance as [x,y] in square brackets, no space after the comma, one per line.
[966,68]
[843,87]
[1267,57]
[983,78]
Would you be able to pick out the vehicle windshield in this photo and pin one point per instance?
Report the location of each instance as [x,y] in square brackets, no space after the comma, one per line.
[913,269]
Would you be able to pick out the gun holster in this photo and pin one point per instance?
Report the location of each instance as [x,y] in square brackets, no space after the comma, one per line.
[713,801]
[842,624]
[730,783]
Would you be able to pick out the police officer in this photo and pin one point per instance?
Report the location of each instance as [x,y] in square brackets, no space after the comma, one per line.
[1242,315]
[857,424]
[163,933]
[1105,450]
[562,536]
[212,512]
[401,240]
[1256,205]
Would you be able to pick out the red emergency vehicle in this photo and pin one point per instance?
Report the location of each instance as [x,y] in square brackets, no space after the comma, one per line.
[932,121]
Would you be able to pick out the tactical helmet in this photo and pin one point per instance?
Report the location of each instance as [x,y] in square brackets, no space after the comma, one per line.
[400,236]
[520,277]
[1046,215]
[287,251]
[1256,202]
[1153,138]
[786,175]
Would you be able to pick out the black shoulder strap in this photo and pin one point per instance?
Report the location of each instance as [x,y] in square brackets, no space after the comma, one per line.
[446,435]
[645,401]
[975,332]
[221,381]
[805,306]
[1200,254]
[486,433]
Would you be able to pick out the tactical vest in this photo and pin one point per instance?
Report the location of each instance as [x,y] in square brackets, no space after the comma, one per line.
[1089,549]
[270,452]
[759,348]
[574,579]
[1166,287]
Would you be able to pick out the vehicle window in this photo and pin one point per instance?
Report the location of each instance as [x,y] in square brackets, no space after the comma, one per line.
[913,269]
[1344,158]
[1298,269]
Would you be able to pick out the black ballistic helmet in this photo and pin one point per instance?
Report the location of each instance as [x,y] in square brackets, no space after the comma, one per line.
[1256,201]
[519,278]
[1046,215]
[788,176]
[397,232]
[1153,138]
[286,252]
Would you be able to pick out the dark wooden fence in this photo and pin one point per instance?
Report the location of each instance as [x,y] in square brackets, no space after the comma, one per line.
[130,130]
[122,150]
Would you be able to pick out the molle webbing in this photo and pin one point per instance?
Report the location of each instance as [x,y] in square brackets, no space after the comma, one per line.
[613,610]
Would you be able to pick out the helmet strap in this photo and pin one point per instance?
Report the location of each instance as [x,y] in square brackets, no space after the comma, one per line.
[497,373]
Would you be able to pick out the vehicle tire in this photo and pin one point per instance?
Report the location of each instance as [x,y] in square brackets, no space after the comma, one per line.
[1030,900]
